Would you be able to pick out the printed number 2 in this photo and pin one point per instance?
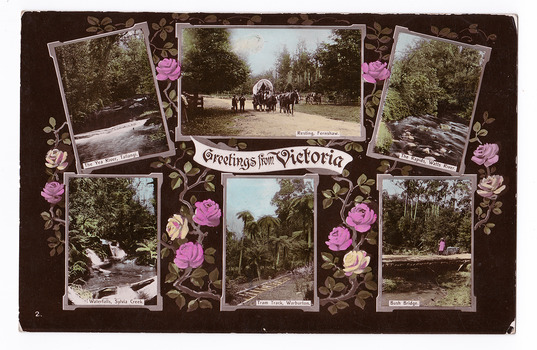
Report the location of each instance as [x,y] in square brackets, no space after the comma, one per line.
[37,314]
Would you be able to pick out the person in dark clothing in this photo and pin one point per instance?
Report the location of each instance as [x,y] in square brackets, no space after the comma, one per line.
[242,99]
[234,103]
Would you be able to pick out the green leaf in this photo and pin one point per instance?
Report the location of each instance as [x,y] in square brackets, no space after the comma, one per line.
[359,199]
[386,31]
[47,129]
[345,173]
[370,111]
[444,31]
[205,304]
[368,277]
[211,19]
[311,142]
[434,30]
[52,122]
[173,268]
[372,241]
[359,302]
[361,180]
[329,282]
[48,224]
[209,187]
[156,165]
[176,183]
[370,46]
[497,211]
[487,230]
[45,215]
[213,276]
[323,290]
[370,182]
[50,142]
[348,146]
[94,21]
[172,95]
[66,141]
[198,273]
[192,305]
[364,294]
[129,23]
[327,193]
[490,120]
[168,113]
[336,188]
[210,251]
[327,202]
[293,20]
[180,301]
[173,175]
[478,211]
[209,177]
[164,252]
[357,147]
[193,171]
[170,277]
[372,36]
[385,39]
[477,126]
[365,189]
[341,305]
[339,287]
[218,284]
[342,191]
[490,225]
[377,26]
[327,257]
[482,132]
[173,293]
[242,145]
[198,282]
[339,274]
[332,309]
[209,259]
[371,285]
[92,29]
[327,265]
[187,167]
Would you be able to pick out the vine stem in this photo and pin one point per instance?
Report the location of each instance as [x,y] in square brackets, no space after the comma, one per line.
[392,168]
[350,294]
[179,286]
[168,97]
[345,205]
[487,217]
[371,94]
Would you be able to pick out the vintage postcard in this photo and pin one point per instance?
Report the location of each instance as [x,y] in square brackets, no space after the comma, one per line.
[428,103]
[111,234]
[270,242]
[268,173]
[426,240]
[271,81]
[109,93]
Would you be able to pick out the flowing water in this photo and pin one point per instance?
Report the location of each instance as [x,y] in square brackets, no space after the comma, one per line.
[435,138]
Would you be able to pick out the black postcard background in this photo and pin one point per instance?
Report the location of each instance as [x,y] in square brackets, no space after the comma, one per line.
[42,276]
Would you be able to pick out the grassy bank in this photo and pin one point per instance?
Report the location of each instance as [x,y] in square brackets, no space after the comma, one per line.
[336,112]
[210,122]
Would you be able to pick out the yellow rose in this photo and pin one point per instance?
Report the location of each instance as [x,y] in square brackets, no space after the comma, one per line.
[177,227]
[355,262]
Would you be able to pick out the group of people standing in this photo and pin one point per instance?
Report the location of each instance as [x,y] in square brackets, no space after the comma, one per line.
[240,101]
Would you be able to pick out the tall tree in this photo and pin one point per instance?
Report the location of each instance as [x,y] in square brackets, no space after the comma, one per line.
[209,64]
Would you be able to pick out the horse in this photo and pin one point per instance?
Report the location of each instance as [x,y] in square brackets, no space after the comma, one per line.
[288,100]
[313,98]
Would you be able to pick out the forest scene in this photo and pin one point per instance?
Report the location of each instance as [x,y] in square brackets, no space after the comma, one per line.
[220,65]
[269,240]
[110,92]
[417,215]
[112,239]
[430,99]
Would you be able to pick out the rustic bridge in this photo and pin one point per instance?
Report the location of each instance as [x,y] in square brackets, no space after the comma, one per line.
[401,264]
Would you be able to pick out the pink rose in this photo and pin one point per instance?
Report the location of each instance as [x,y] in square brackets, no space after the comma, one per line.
[339,239]
[52,192]
[168,68]
[56,159]
[207,213]
[355,262]
[375,71]
[361,217]
[491,186]
[189,254]
[486,154]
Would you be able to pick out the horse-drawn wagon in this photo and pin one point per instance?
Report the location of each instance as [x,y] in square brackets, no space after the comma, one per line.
[263,96]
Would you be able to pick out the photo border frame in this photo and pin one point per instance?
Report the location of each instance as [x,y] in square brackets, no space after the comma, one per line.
[315,307]
[473,300]
[145,30]
[178,32]
[65,301]
[371,146]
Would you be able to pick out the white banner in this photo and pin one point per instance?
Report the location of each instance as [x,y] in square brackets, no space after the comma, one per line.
[316,159]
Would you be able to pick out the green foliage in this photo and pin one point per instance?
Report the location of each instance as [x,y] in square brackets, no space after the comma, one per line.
[209,64]
[100,71]
[425,211]
[113,209]
[384,138]
[433,78]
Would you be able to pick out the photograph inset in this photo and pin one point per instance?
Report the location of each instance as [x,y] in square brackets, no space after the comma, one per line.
[111,96]
[113,248]
[429,102]
[270,81]
[426,242]
[269,243]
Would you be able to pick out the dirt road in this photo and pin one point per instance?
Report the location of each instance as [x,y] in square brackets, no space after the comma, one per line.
[257,123]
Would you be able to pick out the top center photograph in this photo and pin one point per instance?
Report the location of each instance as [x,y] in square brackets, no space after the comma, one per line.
[270,82]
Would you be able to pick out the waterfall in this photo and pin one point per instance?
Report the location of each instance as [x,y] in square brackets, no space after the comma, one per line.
[95,260]
[117,252]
